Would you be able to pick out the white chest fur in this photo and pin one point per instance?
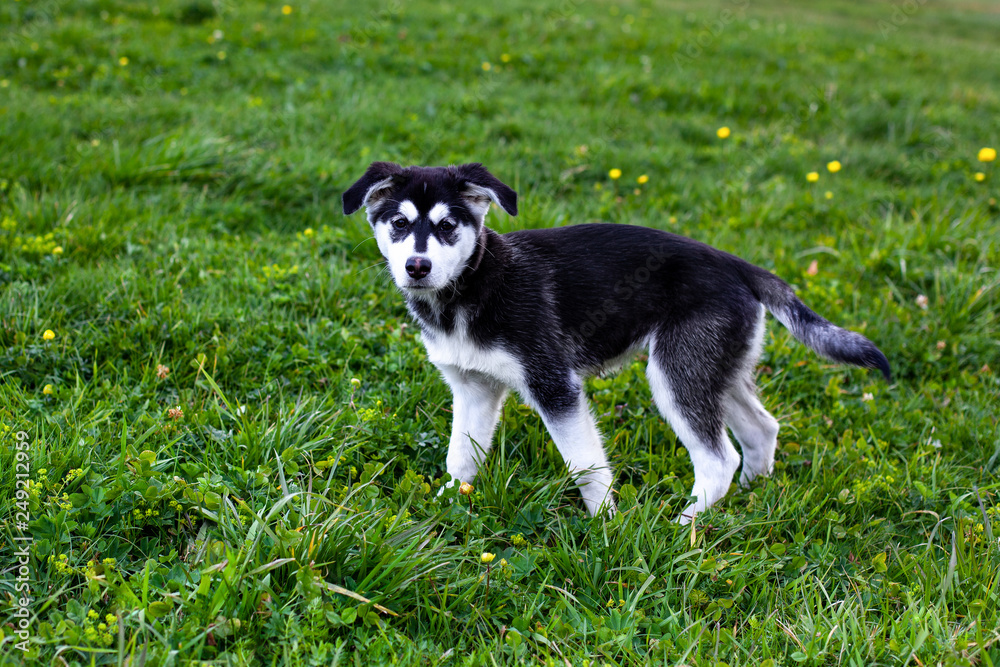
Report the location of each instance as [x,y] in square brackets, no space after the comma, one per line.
[458,350]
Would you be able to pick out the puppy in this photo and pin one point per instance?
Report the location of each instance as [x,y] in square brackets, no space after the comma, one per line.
[537,311]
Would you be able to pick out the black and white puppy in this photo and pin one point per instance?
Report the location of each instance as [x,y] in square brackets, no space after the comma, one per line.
[536,311]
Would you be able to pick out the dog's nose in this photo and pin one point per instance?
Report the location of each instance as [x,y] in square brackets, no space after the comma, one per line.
[418,267]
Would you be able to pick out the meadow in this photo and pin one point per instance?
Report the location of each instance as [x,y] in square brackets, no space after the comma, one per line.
[218,427]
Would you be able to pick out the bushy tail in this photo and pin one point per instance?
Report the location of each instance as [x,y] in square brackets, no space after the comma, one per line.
[821,335]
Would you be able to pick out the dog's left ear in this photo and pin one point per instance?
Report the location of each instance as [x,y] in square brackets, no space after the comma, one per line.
[482,187]
[374,185]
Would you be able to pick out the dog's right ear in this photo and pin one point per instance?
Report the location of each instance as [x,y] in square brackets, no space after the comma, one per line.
[376,184]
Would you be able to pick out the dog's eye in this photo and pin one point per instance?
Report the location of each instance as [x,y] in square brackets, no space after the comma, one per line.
[399,223]
[446,225]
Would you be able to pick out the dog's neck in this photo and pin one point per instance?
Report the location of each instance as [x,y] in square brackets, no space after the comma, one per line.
[439,312]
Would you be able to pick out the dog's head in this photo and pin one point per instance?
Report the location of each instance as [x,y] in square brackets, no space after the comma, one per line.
[427,220]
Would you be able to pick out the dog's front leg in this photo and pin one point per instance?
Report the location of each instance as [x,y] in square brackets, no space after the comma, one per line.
[476,408]
[566,414]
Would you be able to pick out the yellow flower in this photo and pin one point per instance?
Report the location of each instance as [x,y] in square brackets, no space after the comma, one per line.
[355,383]
[615,173]
[487,557]
[487,67]
[286,10]
[221,55]
[48,390]
[123,61]
[833,167]
[58,250]
[987,154]
[980,177]
[48,335]
[308,231]
[812,176]
[828,195]
[642,179]
[92,614]
[465,489]
[722,132]
[505,57]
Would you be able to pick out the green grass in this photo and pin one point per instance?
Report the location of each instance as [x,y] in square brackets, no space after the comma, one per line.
[187,157]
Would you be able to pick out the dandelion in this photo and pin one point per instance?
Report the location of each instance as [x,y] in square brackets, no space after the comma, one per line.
[812,176]
[58,250]
[987,154]
[828,194]
[642,180]
[487,558]
[980,177]
[123,61]
[922,301]
[48,390]
[286,10]
[615,174]
[162,371]
[505,57]
[723,132]
[487,67]
[833,167]
[48,335]
[308,231]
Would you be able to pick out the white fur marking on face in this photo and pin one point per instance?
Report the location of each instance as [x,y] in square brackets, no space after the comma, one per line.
[448,261]
[438,213]
[396,252]
[407,208]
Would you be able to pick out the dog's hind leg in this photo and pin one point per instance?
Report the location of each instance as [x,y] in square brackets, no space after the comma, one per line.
[564,410]
[476,407]
[754,427]
[685,394]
